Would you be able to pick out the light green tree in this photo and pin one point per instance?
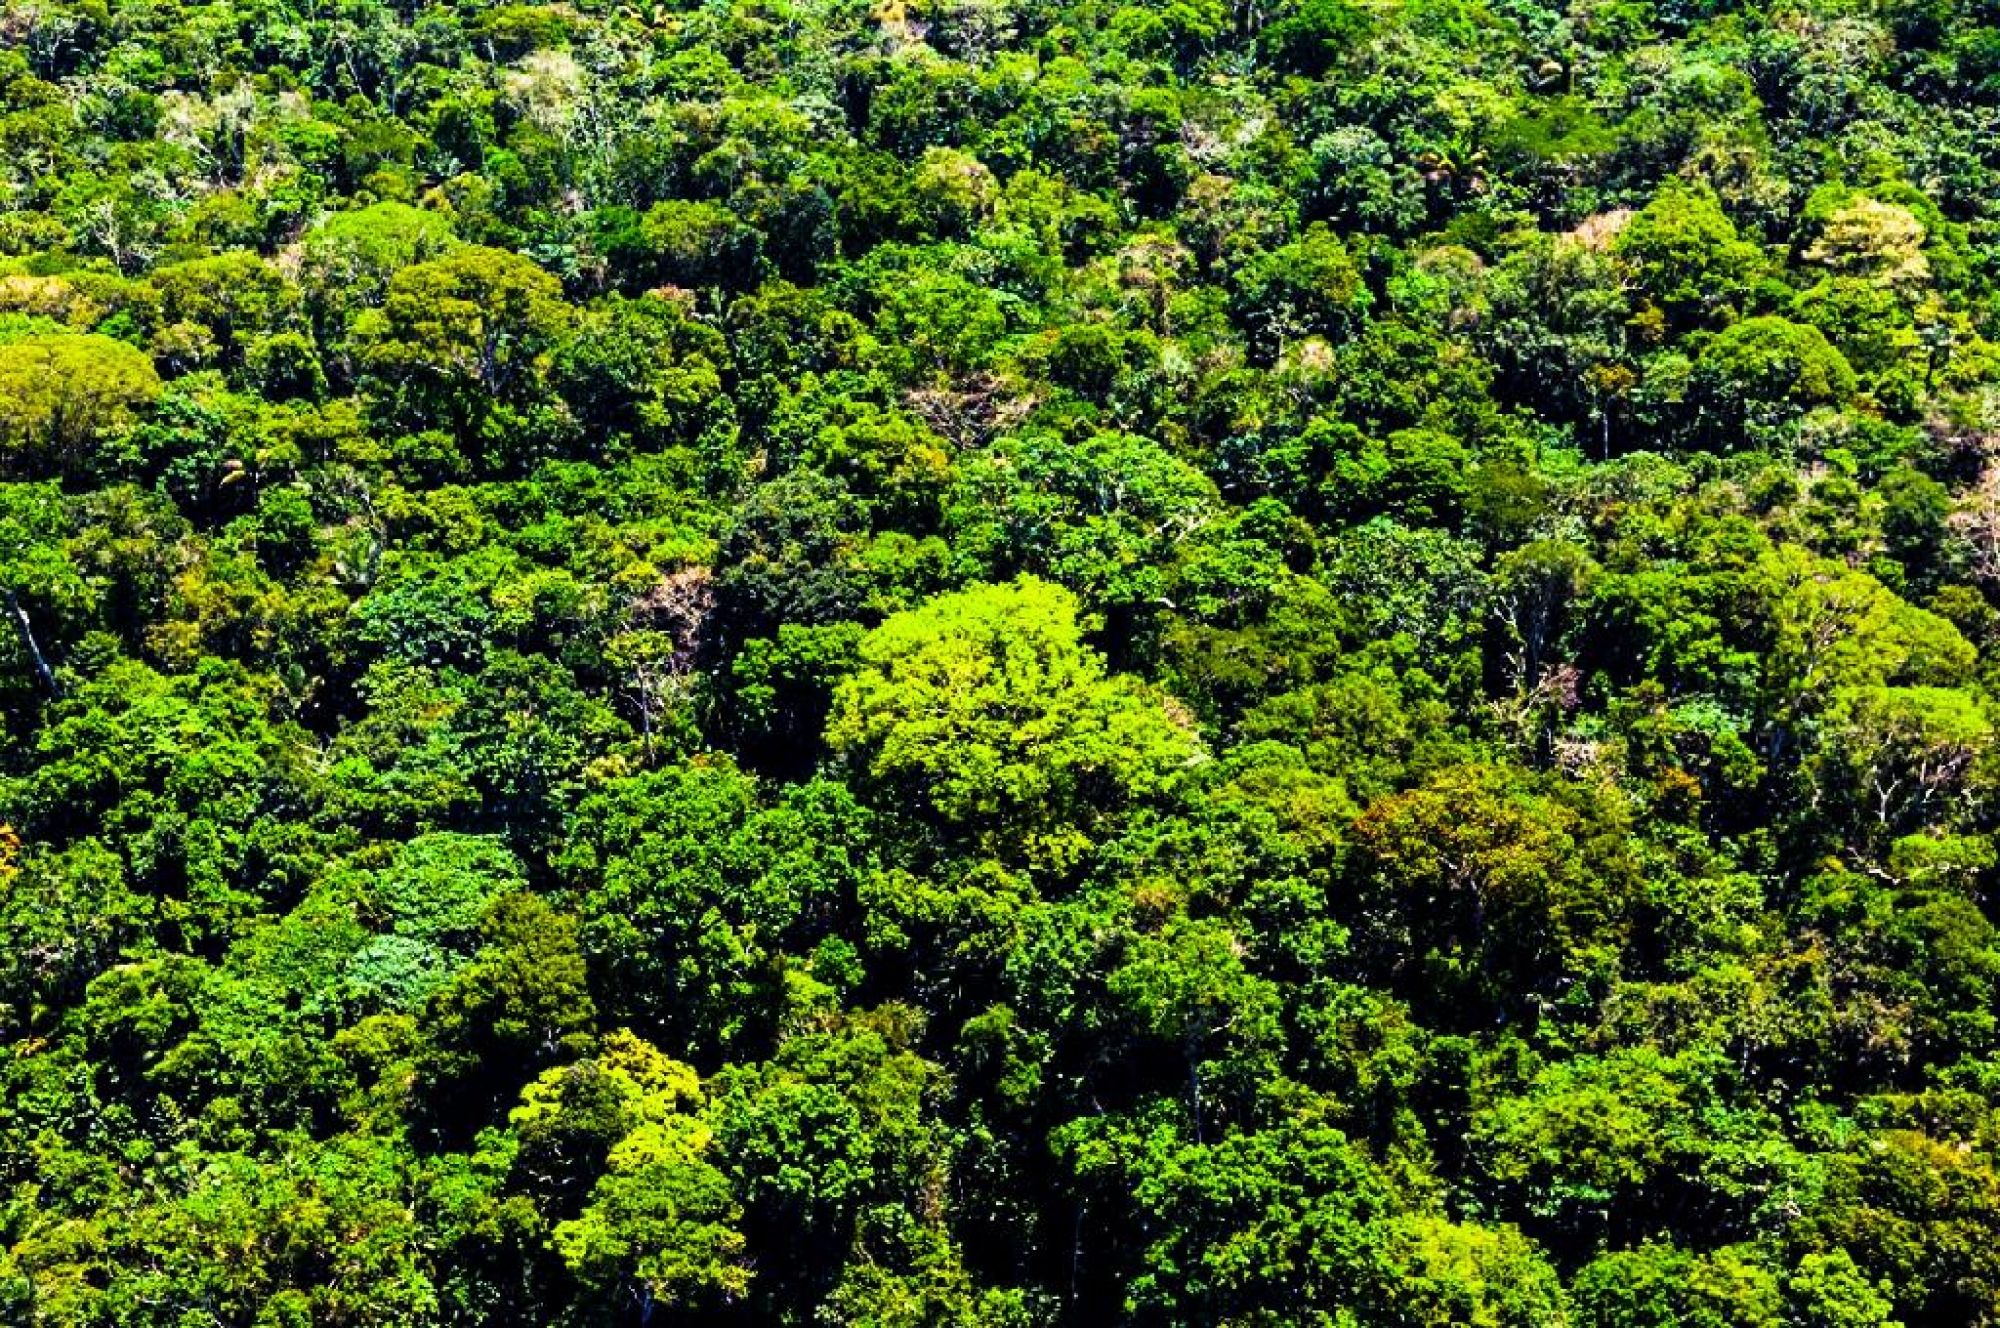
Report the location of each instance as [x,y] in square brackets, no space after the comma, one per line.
[61,392]
[660,1227]
[985,709]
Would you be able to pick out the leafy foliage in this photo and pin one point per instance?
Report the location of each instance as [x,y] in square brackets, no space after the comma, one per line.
[977,662]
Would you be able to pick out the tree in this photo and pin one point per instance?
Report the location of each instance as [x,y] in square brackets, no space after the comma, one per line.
[349,258]
[511,1011]
[1975,526]
[351,1253]
[428,905]
[462,342]
[1877,241]
[1901,757]
[1659,1284]
[695,245]
[38,576]
[234,298]
[1763,373]
[1190,989]
[1255,1225]
[1833,627]
[658,1228]
[1102,515]
[690,891]
[1536,588]
[834,1127]
[61,393]
[985,709]
[645,369]
[65,917]
[1830,1292]
[1310,287]
[1916,512]
[1475,892]
[1688,258]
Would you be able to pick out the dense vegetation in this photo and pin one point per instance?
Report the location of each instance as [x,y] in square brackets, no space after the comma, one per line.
[999,662]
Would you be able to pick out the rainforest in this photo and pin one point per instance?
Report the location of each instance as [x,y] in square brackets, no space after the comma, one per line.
[999,663]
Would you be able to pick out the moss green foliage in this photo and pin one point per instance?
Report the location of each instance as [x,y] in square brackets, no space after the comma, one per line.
[999,663]
[61,393]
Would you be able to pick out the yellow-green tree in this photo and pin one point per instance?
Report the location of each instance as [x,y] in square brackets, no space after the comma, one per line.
[62,392]
[987,711]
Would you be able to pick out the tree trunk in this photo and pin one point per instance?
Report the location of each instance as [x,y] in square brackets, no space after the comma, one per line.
[26,631]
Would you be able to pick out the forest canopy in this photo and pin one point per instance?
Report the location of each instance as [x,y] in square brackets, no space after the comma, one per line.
[999,662]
